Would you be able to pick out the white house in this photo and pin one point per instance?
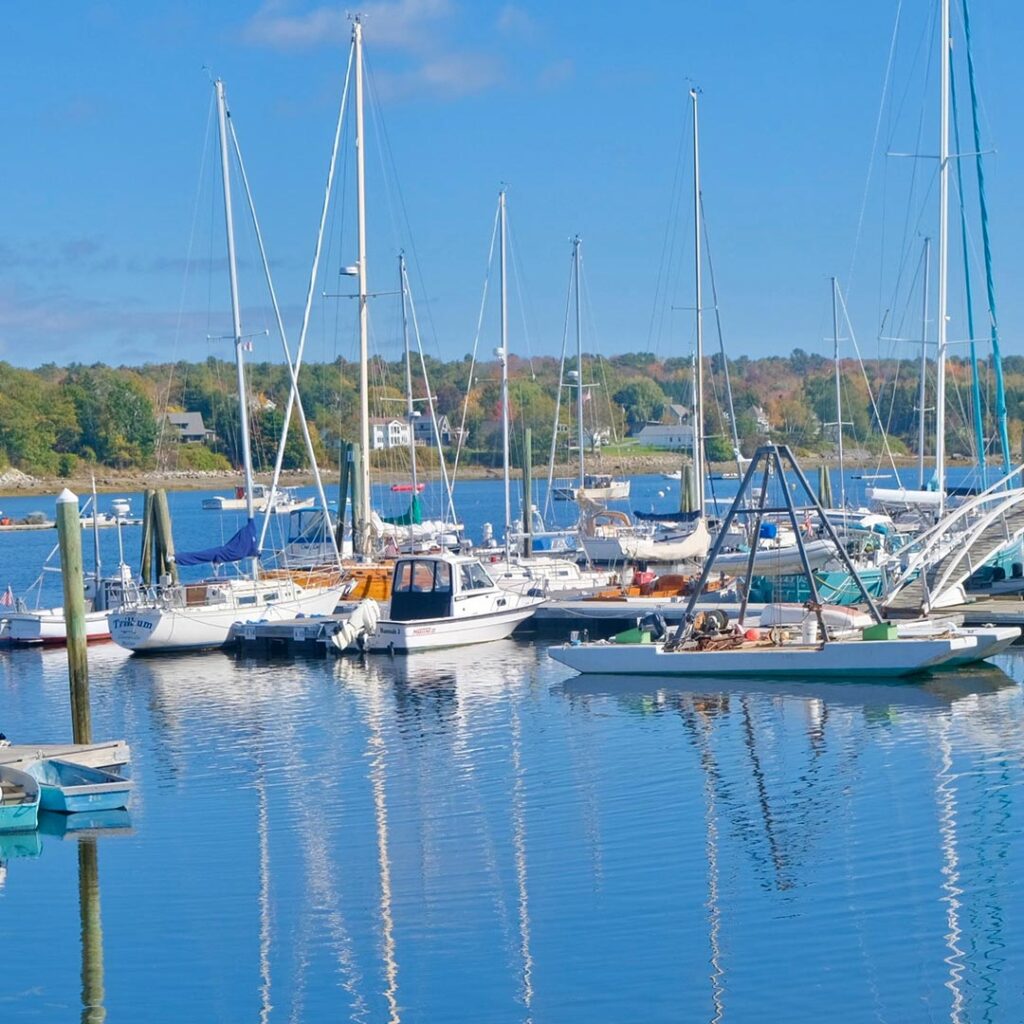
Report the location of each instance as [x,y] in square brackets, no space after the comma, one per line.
[673,436]
[388,433]
[676,436]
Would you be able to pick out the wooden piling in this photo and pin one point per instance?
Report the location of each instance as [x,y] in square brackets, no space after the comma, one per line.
[164,536]
[360,530]
[344,483]
[528,493]
[69,539]
[93,1011]
[146,556]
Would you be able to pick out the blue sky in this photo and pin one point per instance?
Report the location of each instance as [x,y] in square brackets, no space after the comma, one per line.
[579,107]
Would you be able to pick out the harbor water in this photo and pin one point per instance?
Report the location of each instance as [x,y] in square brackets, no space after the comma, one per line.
[480,835]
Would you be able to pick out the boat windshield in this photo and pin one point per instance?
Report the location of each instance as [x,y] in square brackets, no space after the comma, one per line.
[474,577]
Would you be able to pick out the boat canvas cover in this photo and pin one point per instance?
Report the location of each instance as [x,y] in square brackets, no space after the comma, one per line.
[242,545]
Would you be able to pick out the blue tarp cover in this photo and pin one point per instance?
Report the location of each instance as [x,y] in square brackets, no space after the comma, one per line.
[242,545]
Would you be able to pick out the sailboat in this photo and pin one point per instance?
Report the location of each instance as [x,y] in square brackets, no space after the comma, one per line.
[200,615]
[593,488]
[614,539]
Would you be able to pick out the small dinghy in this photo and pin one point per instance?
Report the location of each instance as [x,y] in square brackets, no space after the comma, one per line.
[70,788]
[19,800]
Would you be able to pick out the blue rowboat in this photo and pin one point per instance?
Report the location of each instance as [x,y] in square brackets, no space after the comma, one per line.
[69,788]
[19,800]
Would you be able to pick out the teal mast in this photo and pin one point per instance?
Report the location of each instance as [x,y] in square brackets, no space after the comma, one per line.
[997,363]
[979,423]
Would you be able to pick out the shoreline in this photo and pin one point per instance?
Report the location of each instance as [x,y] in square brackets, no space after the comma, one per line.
[15,484]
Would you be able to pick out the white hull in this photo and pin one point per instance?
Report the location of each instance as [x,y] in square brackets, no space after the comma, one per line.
[777,561]
[431,634]
[631,547]
[838,659]
[46,627]
[281,507]
[155,630]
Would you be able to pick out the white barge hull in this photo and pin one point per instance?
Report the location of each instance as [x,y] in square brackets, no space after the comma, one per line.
[838,659]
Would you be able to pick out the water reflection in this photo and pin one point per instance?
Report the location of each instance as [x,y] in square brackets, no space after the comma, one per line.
[421,838]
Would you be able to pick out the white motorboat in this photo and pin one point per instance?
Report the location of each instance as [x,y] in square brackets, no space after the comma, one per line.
[446,601]
[560,577]
[282,500]
[22,626]
[45,627]
[597,488]
[787,659]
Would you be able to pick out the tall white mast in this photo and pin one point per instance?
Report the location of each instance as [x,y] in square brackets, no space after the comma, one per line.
[922,389]
[410,410]
[839,394]
[362,513]
[698,377]
[579,355]
[940,355]
[236,315]
[503,354]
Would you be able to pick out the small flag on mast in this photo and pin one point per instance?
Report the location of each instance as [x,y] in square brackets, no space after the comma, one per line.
[7,597]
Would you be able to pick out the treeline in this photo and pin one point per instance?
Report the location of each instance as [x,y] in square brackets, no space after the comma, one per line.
[57,421]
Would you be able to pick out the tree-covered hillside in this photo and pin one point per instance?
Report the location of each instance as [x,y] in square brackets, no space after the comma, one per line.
[56,421]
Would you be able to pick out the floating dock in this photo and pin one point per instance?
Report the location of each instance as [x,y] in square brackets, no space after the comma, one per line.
[287,637]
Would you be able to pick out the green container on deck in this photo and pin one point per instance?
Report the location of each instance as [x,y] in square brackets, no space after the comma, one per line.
[880,631]
[634,636]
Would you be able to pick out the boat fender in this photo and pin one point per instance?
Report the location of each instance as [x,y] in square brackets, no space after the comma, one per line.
[752,634]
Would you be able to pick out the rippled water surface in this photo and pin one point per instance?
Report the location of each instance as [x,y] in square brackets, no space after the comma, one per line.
[478,836]
[473,836]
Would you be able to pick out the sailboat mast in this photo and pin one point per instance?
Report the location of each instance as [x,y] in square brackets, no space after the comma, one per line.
[409,409]
[363,512]
[503,231]
[940,357]
[839,392]
[236,316]
[698,377]
[579,356]
[922,390]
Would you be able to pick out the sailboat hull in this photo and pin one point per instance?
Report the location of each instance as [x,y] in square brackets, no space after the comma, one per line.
[156,630]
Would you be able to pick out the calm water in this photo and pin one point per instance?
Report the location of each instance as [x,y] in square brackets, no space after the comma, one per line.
[476,835]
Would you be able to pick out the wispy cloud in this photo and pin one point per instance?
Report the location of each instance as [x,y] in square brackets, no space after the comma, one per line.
[556,73]
[42,326]
[394,24]
[417,33]
[451,76]
[516,22]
